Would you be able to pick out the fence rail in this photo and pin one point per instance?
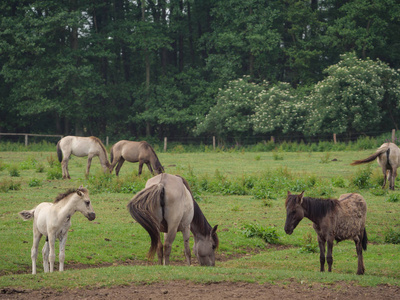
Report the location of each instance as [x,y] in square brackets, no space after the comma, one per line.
[31,134]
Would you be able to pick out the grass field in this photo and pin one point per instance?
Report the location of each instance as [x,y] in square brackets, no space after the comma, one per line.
[234,190]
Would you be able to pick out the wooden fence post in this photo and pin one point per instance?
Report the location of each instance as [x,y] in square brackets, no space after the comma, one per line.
[393,135]
[272,139]
[334,138]
[214,142]
[165,144]
[107,141]
[26,140]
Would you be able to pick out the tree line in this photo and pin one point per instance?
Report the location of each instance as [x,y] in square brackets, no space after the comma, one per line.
[184,68]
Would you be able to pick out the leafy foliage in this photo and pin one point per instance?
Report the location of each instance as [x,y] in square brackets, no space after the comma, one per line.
[268,234]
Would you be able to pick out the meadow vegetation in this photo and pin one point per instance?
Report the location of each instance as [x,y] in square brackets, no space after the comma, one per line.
[241,190]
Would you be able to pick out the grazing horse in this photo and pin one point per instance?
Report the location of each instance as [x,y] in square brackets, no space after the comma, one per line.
[81,146]
[167,205]
[133,152]
[53,221]
[388,155]
[333,219]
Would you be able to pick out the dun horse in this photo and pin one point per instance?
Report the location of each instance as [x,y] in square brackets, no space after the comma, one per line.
[167,205]
[133,152]
[81,146]
[53,221]
[333,219]
[388,155]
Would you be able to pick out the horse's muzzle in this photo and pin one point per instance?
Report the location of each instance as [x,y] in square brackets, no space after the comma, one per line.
[91,216]
[288,231]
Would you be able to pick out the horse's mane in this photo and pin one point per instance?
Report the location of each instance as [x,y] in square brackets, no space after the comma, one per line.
[70,191]
[100,143]
[198,217]
[158,165]
[317,207]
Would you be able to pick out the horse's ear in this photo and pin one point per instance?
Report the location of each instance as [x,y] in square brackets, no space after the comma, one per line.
[79,192]
[301,197]
[214,230]
[289,193]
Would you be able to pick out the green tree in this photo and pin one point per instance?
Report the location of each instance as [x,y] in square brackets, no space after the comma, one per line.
[351,97]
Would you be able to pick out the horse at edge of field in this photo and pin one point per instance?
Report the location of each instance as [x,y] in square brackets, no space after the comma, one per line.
[53,220]
[81,146]
[388,157]
[166,205]
[333,219]
[134,152]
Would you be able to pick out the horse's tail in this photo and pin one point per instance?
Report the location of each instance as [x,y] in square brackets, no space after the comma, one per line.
[27,214]
[364,240]
[59,152]
[142,209]
[371,157]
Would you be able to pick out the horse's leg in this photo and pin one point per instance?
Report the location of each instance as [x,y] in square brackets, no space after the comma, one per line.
[52,252]
[329,257]
[45,254]
[393,178]
[89,163]
[169,239]
[360,268]
[140,167]
[384,176]
[186,236]
[36,239]
[63,241]
[160,252]
[120,163]
[150,168]
[64,166]
[321,244]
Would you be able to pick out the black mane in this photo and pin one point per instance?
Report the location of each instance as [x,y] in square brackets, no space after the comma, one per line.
[319,208]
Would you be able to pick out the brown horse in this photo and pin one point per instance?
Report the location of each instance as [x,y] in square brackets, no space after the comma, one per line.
[167,205]
[133,152]
[81,146]
[388,155]
[333,219]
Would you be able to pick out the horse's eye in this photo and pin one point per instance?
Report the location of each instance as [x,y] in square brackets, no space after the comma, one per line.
[87,203]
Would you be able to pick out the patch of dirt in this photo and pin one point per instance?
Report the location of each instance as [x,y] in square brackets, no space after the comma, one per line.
[180,290]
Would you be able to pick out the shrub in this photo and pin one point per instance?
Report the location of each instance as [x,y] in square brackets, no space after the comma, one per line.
[362,178]
[35,182]
[338,182]
[14,172]
[54,173]
[268,234]
[309,245]
[393,198]
[9,185]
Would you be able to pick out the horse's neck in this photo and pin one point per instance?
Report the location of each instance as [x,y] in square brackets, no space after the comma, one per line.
[309,213]
[103,156]
[66,208]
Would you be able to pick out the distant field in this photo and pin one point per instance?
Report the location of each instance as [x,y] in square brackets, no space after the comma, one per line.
[226,186]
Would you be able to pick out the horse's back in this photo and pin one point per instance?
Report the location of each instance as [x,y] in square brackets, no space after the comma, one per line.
[178,202]
[130,150]
[351,215]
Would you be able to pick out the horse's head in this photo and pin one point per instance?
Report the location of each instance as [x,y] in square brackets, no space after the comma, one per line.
[294,211]
[204,248]
[83,203]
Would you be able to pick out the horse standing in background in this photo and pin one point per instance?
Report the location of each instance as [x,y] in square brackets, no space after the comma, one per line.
[167,205]
[133,152]
[332,219]
[388,156]
[53,221]
[81,146]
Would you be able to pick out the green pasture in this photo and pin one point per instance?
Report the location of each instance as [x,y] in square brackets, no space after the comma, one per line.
[234,189]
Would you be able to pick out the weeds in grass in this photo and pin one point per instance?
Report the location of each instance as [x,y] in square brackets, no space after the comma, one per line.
[268,234]
[392,236]
[28,164]
[393,198]
[338,182]
[13,170]
[277,155]
[325,158]
[9,185]
[309,244]
[40,168]
[362,178]
[2,165]
[54,172]
[51,161]
[35,182]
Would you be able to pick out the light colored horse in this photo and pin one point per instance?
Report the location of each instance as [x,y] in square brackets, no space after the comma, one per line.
[167,205]
[53,221]
[333,219]
[81,146]
[388,156]
[133,152]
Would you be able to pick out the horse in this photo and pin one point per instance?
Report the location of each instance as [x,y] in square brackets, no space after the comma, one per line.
[53,221]
[133,152]
[333,219]
[81,146]
[166,205]
[388,156]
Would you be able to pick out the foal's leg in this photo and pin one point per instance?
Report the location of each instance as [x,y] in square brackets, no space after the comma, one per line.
[360,268]
[329,257]
[321,244]
[36,239]
[186,236]
[52,252]
[63,241]
[45,254]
